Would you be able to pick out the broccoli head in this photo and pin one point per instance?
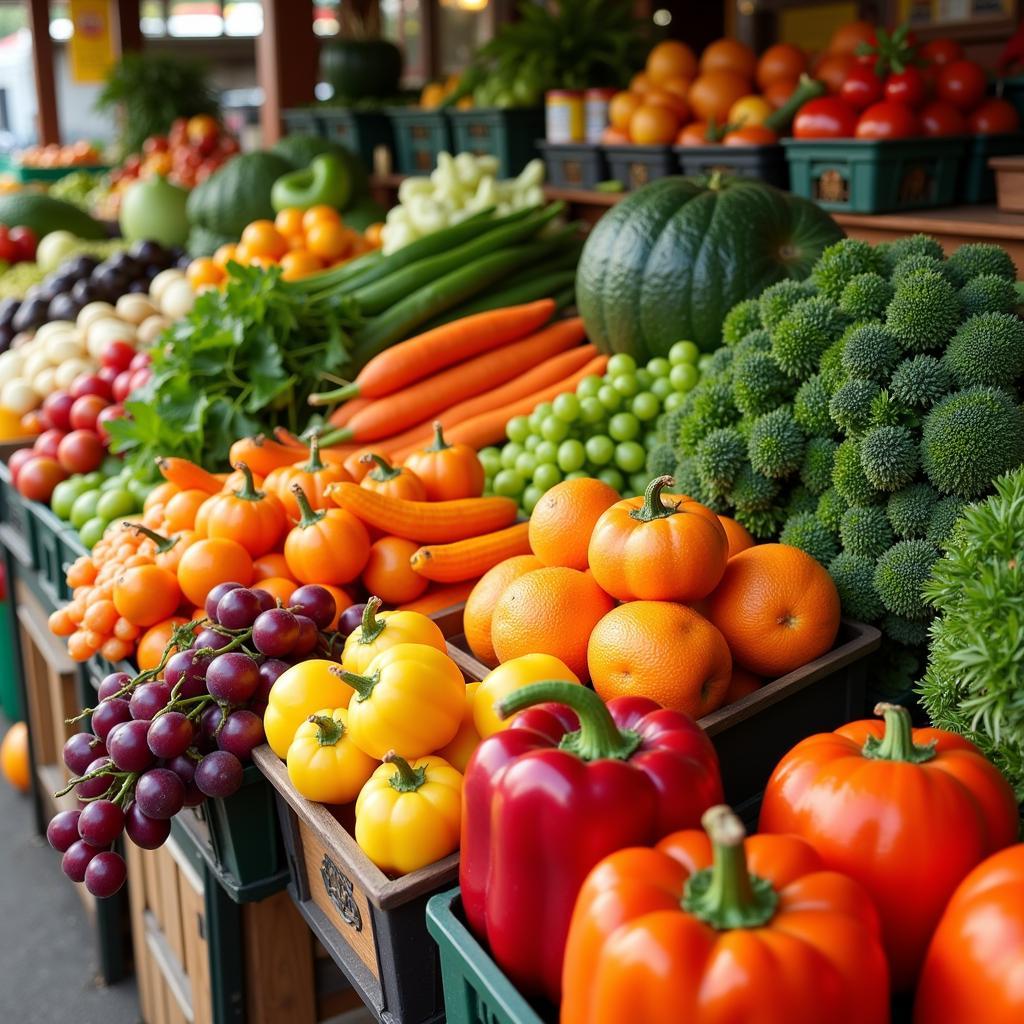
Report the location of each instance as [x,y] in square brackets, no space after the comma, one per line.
[870,353]
[918,261]
[743,318]
[687,480]
[840,263]
[849,478]
[801,337]
[816,469]
[719,364]
[831,506]
[904,631]
[830,369]
[987,349]
[889,457]
[865,530]
[759,384]
[756,341]
[779,298]
[806,532]
[753,492]
[720,456]
[895,252]
[712,406]
[988,293]
[920,382]
[810,408]
[969,438]
[776,444]
[900,574]
[943,518]
[865,297]
[854,577]
[977,258]
[850,406]
[800,500]
[661,460]
[910,510]
[924,312]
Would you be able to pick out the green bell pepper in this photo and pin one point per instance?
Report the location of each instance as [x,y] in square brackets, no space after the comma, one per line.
[326,181]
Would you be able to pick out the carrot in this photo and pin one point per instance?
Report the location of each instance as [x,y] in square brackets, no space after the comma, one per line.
[405,408]
[284,436]
[470,558]
[439,597]
[489,427]
[188,476]
[345,412]
[426,522]
[419,357]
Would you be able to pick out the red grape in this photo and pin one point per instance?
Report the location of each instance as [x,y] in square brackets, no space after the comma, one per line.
[209,723]
[232,677]
[145,832]
[214,596]
[238,609]
[109,713]
[170,734]
[242,733]
[105,874]
[76,860]
[148,699]
[187,671]
[81,750]
[113,683]
[101,823]
[62,831]
[351,618]
[128,747]
[160,794]
[275,632]
[219,774]
[210,638]
[270,671]
[309,637]
[185,768]
[97,786]
[266,600]
[315,603]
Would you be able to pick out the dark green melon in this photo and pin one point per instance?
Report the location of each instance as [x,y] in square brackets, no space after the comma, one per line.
[671,259]
[360,68]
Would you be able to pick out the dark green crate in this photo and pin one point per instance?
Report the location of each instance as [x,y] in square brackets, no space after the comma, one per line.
[476,990]
[874,176]
[635,166]
[765,163]
[362,131]
[13,510]
[10,692]
[573,164]
[302,121]
[977,181]
[420,135]
[507,134]
[50,545]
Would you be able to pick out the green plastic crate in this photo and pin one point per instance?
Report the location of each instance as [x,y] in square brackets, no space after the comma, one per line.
[869,176]
[362,131]
[635,166]
[48,175]
[508,134]
[13,511]
[420,135]
[10,694]
[302,121]
[573,164]
[49,543]
[977,181]
[475,989]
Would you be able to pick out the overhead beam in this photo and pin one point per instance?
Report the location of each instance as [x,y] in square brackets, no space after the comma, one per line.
[42,66]
[287,62]
[127,17]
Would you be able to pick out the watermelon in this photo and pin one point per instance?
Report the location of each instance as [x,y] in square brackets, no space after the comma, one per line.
[359,68]
[236,194]
[669,261]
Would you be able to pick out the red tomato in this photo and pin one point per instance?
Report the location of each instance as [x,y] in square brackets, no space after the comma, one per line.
[888,120]
[940,118]
[123,385]
[38,477]
[108,374]
[825,118]
[57,407]
[112,412]
[962,83]
[18,459]
[85,410]
[994,117]
[9,252]
[81,451]
[90,384]
[861,87]
[25,241]
[907,86]
[118,354]
[139,360]
[138,378]
[46,443]
[941,51]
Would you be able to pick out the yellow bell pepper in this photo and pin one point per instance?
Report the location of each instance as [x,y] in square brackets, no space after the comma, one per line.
[409,814]
[513,675]
[380,631]
[411,700]
[467,739]
[298,693]
[323,762]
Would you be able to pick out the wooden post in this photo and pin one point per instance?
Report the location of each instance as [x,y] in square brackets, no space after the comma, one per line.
[129,29]
[42,65]
[287,62]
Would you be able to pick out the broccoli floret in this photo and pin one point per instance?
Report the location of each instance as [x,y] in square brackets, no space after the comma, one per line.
[850,407]
[910,510]
[687,480]
[854,577]
[988,293]
[885,412]
[816,470]
[801,337]
[943,518]
[924,312]
[753,492]
[756,341]
[918,261]
[889,457]
[810,408]
[969,438]
[840,263]
[672,421]
[661,460]
[831,370]
[849,478]
[743,318]
[712,407]
[806,532]
[800,500]
[903,631]
[865,530]
[919,382]
[870,353]
[776,444]
[987,349]
[764,524]
[900,574]
[977,258]
[831,506]
[720,456]
[719,364]
[778,299]
[865,297]
[895,252]
[759,384]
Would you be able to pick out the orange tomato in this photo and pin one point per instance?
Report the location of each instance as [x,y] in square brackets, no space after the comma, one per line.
[621,109]
[679,86]
[695,134]
[261,238]
[289,222]
[670,59]
[653,125]
[225,253]
[847,38]
[242,254]
[781,61]
[204,271]
[150,650]
[278,587]
[180,511]
[752,135]
[160,495]
[729,55]
[209,562]
[268,566]
[389,575]
[749,110]
[779,91]
[374,235]
[328,241]
[342,600]
[146,594]
[300,263]
[714,92]
[14,760]
[659,97]
[640,82]
[320,215]
[262,261]
[832,69]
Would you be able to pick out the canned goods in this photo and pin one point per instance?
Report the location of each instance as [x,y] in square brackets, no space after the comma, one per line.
[563,115]
[596,103]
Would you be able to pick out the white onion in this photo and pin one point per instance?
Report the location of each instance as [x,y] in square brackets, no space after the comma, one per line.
[160,283]
[11,363]
[93,311]
[67,345]
[178,299]
[53,327]
[134,309]
[68,371]
[18,396]
[35,361]
[150,329]
[102,332]
[45,382]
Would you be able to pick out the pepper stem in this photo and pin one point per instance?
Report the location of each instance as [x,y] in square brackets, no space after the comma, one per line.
[439,444]
[329,730]
[363,685]
[597,738]
[315,464]
[407,779]
[727,895]
[247,492]
[653,507]
[371,627]
[309,517]
[897,742]
[384,471]
[163,544]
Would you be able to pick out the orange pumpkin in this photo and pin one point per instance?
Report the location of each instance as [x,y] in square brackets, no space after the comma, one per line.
[394,481]
[327,545]
[447,471]
[650,549]
[313,475]
[253,518]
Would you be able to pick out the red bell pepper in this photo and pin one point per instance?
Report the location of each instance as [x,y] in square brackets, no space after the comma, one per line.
[565,785]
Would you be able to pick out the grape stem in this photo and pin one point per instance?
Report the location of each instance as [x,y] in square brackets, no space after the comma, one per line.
[126,787]
[105,771]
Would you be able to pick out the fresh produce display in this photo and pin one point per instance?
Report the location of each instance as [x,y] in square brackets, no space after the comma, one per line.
[42,214]
[75,154]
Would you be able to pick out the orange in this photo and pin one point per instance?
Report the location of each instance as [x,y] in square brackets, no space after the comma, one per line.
[613,137]
[389,575]
[342,600]
[621,108]
[781,61]
[779,91]
[267,566]
[714,92]
[14,762]
[204,271]
[261,238]
[777,608]
[663,651]
[833,68]
[476,617]
[748,111]
[549,611]
[278,587]
[640,82]
[564,518]
[224,254]
[737,535]
[653,125]
[664,98]
[328,241]
[694,134]
[729,55]
[679,86]
[742,684]
[152,643]
[262,261]
[670,59]
[300,263]
[289,221]
[320,214]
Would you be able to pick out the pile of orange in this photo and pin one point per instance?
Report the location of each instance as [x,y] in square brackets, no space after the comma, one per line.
[301,242]
[677,605]
[725,96]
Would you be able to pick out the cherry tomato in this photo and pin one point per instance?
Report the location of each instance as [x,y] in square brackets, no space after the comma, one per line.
[38,477]
[825,118]
[46,443]
[122,385]
[81,451]
[85,410]
[861,87]
[994,117]
[907,86]
[9,252]
[25,241]
[140,360]
[118,354]
[138,378]
[108,374]
[112,412]
[18,459]
[57,406]
[90,384]
[962,83]
[888,120]
[940,118]
[941,51]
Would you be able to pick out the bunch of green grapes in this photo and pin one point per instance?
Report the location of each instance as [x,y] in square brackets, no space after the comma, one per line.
[602,429]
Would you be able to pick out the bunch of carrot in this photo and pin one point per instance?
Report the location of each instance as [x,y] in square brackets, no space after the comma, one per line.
[472,375]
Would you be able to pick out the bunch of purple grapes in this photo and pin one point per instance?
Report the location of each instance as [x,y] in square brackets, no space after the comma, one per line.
[162,744]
